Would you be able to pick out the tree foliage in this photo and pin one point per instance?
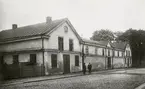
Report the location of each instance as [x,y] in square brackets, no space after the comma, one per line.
[103,35]
[136,39]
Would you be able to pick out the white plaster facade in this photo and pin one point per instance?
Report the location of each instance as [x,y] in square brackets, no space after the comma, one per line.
[100,56]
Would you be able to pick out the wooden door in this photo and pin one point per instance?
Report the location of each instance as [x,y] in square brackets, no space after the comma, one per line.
[109,62]
[66,63]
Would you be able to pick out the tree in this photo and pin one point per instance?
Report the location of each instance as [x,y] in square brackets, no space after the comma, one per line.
[117,34]
[103,35]
[137,44]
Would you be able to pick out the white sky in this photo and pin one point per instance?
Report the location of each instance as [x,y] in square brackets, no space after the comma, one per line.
[85,15]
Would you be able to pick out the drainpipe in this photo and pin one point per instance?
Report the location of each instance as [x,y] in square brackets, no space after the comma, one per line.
[82,55]
[42,70]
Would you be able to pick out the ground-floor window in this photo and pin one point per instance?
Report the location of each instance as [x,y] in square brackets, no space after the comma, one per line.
[15,59]
[76,60]
[54,60]
[32,58]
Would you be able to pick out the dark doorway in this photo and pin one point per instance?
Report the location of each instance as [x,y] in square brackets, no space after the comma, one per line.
[109,63]
[66,63]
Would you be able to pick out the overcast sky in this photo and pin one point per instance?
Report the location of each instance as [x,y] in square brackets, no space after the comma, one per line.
[85,15]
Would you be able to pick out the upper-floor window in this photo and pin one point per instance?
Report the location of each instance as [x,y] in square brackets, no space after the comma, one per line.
[71,45]
[96,50]
[32,58]
[122,53]
[108,52]
[54,61]
[103,51]
[60,43]
[15,59]
[87,50]
[76,60]
[118,53]
[128,53]
[113,53]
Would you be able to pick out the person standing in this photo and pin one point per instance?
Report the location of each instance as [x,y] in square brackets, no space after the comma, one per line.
[84,68]
[89,67]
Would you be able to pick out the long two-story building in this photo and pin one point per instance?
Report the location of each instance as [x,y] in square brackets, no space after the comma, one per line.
[55,47]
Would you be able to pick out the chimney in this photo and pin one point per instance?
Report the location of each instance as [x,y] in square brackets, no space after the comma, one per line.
[48,19]
[14,26]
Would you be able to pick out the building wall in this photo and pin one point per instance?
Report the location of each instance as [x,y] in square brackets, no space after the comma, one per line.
[52,43]
[118,62]
[24,45]
[97,62]
[23,57]
[128,56]
[59,69]
[59,32]
[24,68]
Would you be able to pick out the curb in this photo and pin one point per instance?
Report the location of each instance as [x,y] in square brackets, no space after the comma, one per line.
[141,86]
[41,80]
[96,72]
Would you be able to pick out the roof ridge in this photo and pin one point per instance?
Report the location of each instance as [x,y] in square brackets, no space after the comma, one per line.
[30,30]
[33,24]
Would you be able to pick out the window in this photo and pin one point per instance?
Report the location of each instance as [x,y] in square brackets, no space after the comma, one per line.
[103,53]
[108,52]
[70,45]
[118,53]
[76,60]
[113,53]
[60,43]
[54,61]
[125,61]
[32,58]
[122,54]
[96,50]
[15,59]
[87,50]
[128,53]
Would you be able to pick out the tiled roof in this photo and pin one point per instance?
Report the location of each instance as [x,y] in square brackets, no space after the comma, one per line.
[30,30]
[118,45]
[104,43]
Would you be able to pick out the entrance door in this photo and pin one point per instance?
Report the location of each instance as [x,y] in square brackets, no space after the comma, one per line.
[66,63]
[109,62]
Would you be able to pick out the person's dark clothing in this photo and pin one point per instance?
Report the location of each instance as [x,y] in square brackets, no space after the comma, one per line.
[84,68]
[89,68]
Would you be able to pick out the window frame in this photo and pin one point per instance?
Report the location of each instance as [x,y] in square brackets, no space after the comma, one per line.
[16,59]
[96,50]
[87,49]
[108,52]
[118,54]
[76,60]
[60,43]
[103,52]
[33,58]
[54,60]
[71,45]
